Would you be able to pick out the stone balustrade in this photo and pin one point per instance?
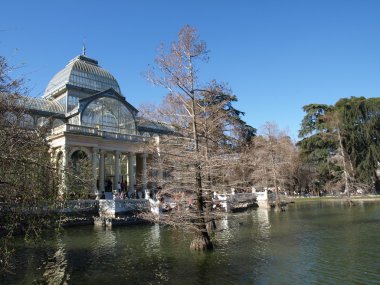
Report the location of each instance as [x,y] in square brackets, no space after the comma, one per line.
[119,206]
[96,132]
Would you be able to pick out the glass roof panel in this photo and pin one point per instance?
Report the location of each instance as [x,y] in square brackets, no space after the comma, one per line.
[38,104]
[44,105]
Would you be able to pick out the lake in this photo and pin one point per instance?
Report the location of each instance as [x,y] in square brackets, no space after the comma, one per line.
[310,243]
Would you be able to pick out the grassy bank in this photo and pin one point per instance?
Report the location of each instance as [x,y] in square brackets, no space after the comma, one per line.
[335,198]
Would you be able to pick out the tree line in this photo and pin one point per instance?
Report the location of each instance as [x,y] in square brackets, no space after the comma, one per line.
[212,148]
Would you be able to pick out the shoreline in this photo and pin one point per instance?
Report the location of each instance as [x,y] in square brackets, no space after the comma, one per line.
[369,198]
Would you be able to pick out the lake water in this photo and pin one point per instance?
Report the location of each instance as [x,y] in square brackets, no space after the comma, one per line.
[310,243]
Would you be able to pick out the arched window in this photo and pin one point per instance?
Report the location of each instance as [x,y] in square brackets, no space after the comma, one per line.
[27,121]
[110,122]
[109,114]
[10,117]
[80,180]
[78,159]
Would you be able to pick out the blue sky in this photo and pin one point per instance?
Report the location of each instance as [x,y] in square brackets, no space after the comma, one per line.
[276,55]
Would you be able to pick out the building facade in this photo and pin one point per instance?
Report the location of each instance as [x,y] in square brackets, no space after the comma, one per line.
[90,119]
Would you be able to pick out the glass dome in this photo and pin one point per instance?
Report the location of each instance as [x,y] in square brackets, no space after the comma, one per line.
[109,114]
[82,72]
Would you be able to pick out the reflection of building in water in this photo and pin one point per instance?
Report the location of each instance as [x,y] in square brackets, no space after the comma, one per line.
[155,235]
[105,241]
[91,120]
[151,243]
[55,268]
[259,232]
[224,223]
[263,218]
[225,232]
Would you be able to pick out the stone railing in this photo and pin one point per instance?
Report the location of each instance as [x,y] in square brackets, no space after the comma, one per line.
[74,206]
[118,206]
[95,132]
[81,129]
[65,207]
[234,200]
[102,207]
[58,130]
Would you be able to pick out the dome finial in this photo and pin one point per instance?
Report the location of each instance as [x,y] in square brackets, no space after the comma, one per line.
[84,47]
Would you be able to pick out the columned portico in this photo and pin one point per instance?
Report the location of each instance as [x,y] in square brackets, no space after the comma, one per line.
[117,169]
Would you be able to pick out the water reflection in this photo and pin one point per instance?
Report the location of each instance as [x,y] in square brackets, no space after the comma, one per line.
[152,240]
[261,234]
[262,218]
[224,230]
[55,268]
[155,234]
[320,243]
[103,243]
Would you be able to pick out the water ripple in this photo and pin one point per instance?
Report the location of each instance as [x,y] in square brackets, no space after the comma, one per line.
[313,244]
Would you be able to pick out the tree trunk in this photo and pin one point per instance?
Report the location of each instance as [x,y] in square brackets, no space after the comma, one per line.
[277,207]
[201,241]
[210,225]
[345,171]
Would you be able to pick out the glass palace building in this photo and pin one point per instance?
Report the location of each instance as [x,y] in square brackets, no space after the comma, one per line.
[90,119]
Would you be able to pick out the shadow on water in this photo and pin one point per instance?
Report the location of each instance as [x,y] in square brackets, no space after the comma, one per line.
[314,243]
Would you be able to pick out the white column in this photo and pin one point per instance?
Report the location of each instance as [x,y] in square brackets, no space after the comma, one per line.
[94,172]
[64,167]
[160,168]
[144,176]
[53,155]
[101,171]
[117,169]
[160,173]
[65,156]
[131,178]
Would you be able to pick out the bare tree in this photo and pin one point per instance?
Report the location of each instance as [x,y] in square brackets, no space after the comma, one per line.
[27,178]
[272,156]
[222,133]
[193,159]
[177,73]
